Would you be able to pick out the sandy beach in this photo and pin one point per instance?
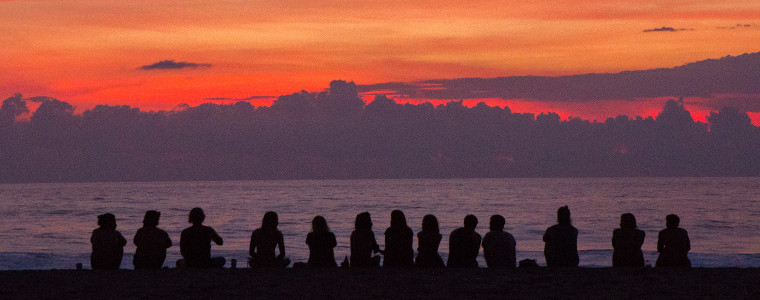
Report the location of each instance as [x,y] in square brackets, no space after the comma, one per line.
[605,283]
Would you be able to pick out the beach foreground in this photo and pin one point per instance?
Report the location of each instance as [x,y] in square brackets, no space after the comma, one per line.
[731,283]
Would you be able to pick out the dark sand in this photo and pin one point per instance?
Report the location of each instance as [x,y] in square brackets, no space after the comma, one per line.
[584,283]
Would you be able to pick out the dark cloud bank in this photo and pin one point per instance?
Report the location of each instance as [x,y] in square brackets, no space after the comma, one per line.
[172,65]
[333,134]
[729,75]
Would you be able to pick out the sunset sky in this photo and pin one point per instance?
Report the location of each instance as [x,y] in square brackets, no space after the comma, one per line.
[115,52]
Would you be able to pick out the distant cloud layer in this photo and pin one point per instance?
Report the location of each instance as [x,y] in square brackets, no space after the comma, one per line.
[241,99]
[730,75]
[667,29]
[736,27]
[170,64]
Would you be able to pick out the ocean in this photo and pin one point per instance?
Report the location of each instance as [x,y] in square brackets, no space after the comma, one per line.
[48,225]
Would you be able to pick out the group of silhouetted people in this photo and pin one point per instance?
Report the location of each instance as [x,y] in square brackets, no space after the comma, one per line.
[267,247]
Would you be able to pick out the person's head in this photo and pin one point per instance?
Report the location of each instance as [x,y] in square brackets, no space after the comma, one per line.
[398,220]
[107,221]
[470,222]
[196,216]
[672,221]
[270,220]
[363,221]
[563,215]
[151,218]
[627,221]
[319,224]
[430,223]
[497,223]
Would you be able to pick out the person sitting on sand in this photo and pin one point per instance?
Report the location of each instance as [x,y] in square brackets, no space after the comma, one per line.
[626,242]
[151,243]
[561,241]
[363,243]
[499,245]
[398,242]
[321,243]
[464,245]
[107,244]
[195,243]
[428,241]
[264,240]
[673,244]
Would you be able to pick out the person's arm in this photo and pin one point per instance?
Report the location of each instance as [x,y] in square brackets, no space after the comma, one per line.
[183,245]
[660,245]
[688,242]
[215,237]
[333,241]
[281,245]
[615,239]
[167,240]
[252,247]
[122,240]
[375,246]
[138,238]
[641,237]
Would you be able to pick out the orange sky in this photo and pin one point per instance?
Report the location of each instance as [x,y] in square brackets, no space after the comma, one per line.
[90,52]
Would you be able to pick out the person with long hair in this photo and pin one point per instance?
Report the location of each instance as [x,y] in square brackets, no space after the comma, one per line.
[363,243]
[264,241]
[321,244]
[107,244]
[626,242]
[151,243]
[428,240]
[398,242]
[195,243]
[561,241]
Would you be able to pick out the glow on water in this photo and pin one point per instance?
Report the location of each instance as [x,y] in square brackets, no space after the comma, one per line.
[49,225]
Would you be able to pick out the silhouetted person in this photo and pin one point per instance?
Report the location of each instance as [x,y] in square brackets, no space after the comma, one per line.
[428,241]
[264,240]
[398,242]
[626,242]
[151,243]
[107,244]
[499,245]
[464,245]
[195,243]
[561,241]
[363,243]
[321,243]
[673,244]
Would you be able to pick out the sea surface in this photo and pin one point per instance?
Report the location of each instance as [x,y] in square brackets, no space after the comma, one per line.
[48,226]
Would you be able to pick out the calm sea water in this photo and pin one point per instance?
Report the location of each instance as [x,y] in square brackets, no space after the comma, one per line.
[45,226]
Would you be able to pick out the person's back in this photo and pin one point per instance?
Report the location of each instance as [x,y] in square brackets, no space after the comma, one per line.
[363,243]
[321,246]
[499,246]
[673,244]
[151,243]
[464,245]
[195,243]
[428,241]
[398,242]
[561,242]
[626,242]
[107,244]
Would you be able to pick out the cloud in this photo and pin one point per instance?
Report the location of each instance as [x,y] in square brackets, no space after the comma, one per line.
[667,29]
[241,99]
[737,26]
[170,64]
[729,76]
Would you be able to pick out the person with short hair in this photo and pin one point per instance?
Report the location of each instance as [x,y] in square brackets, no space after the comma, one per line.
[673,244]
[107,244]
[151,243]
[464,245]
[499,245]
[195,243]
